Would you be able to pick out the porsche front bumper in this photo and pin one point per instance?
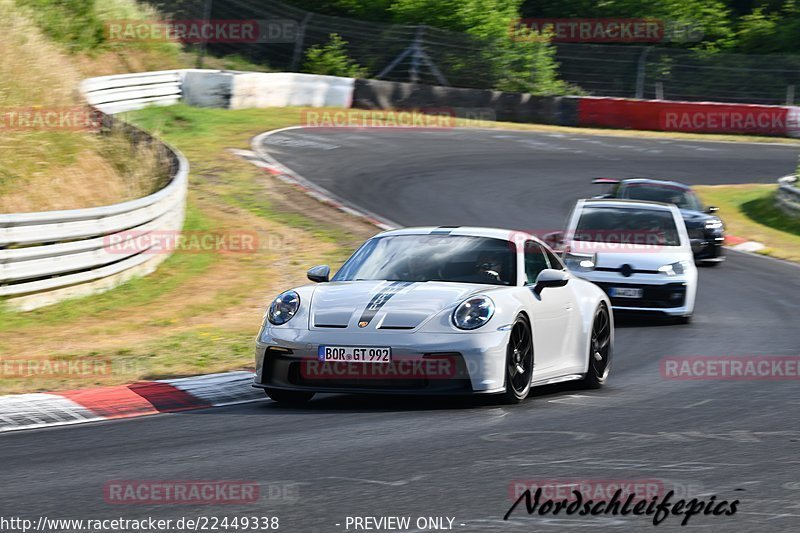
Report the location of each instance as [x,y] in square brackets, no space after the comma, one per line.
[422,362]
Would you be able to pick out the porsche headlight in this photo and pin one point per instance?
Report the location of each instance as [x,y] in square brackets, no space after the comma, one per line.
[283,308]
[675,269]
[473,313]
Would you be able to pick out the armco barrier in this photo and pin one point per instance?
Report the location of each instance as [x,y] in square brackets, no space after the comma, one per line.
[468,103]
[46,257]
[127,92]
[693,117]
[787,197]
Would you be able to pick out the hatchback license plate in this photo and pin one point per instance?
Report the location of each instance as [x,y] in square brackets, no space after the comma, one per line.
[625,292]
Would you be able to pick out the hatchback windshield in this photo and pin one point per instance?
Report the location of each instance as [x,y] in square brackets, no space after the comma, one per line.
[627,225]
[668,194]
[456,258]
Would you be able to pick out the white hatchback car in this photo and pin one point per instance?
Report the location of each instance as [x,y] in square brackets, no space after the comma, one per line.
[638,252]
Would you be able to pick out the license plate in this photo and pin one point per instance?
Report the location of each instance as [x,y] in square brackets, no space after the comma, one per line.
[625,292]
[355,354]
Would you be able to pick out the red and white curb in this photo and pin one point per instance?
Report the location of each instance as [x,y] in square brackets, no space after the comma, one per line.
[29,411]
[742,245]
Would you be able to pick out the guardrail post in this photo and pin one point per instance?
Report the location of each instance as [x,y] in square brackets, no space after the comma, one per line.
[640,72]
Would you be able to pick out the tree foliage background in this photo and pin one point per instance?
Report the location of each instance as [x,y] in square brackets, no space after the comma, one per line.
[743,26]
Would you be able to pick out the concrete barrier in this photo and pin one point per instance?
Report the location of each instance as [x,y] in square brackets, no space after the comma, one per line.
[243,90]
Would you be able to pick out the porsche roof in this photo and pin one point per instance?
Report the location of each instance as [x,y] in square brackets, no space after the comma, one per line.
[472,231]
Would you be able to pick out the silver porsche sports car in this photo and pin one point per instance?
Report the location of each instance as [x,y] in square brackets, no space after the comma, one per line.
[447,310]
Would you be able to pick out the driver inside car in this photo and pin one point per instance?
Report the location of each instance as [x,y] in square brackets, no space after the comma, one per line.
[489,267]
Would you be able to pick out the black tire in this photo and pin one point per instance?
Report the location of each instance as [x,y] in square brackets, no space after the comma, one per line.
[289,397]
[519,362]
[599,350]
[683,319]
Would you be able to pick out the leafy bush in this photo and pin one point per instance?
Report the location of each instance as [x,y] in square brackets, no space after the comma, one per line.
[331,59]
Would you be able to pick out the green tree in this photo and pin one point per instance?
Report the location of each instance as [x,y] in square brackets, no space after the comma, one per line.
[331,59]
[520,60]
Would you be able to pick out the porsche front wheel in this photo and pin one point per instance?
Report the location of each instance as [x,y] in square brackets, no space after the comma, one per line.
[599,350]
[519,362]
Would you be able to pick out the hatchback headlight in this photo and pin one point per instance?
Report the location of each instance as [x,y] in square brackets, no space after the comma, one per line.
[675,269]
[283,308]
[579,262]
[714,223]
[473,313]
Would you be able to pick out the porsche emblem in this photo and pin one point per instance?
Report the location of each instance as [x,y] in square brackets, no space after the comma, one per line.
[363,324]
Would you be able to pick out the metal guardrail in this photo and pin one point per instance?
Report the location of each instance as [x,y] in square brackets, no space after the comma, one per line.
[787,197]
[48,256]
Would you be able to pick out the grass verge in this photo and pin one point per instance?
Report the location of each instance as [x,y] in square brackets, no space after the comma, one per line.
[749,212]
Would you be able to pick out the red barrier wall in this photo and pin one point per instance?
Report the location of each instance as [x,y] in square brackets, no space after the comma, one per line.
[697,117]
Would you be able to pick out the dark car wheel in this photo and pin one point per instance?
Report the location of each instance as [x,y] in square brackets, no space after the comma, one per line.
[289,397]
[519,362]
[599,350]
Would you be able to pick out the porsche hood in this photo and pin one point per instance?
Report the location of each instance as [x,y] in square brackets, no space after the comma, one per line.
[390,305]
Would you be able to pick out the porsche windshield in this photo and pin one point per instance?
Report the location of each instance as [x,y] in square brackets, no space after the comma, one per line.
[627,225]
[455,258]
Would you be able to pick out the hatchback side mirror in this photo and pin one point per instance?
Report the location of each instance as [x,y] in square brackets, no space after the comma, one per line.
[319,274]
[712,209]
[550,278]
[554,240]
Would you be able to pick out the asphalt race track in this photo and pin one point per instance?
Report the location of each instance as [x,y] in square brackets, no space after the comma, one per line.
[346,456]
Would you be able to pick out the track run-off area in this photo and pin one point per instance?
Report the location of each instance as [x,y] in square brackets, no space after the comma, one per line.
[382,456]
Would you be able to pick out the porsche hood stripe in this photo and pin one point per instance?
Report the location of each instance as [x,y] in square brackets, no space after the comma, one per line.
[379,300]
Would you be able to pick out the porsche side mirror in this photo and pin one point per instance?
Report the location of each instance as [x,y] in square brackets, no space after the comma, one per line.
[712,209]
[319,274]
[550,278]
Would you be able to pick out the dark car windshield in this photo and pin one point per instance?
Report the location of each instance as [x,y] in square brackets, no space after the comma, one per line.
[433,258]
[668,194]
[627,225]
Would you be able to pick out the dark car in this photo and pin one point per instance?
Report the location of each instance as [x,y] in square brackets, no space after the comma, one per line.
[706,231]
